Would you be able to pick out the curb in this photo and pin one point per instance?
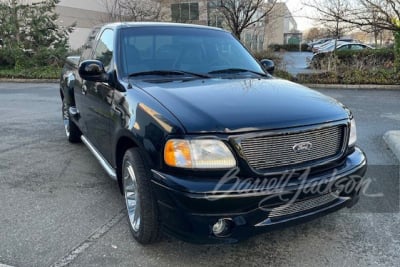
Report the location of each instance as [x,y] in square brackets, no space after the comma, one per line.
[5,80]
[355,86]
[392,139]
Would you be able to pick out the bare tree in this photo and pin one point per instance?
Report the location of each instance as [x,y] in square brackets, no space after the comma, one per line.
[133,10]
[241,14]
[315,33]
[379,14]
[362,14]
[386,17]
[371,15]
[330,14]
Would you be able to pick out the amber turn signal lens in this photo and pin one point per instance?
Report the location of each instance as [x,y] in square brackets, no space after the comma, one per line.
[177,153]
[198,154]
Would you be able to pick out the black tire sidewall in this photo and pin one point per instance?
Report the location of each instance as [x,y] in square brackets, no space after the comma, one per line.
[149,226]
[74,132]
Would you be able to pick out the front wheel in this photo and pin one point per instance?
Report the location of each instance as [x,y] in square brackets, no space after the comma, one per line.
[71,130]
[139,198]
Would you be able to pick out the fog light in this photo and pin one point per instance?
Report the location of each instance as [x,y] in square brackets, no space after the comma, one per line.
[222,227]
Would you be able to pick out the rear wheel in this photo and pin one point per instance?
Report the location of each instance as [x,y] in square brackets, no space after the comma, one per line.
[71,130]
[139,198]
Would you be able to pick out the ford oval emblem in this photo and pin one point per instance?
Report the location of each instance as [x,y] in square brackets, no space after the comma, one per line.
[303,146]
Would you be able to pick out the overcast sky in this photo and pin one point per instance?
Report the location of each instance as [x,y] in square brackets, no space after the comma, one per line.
[300,13]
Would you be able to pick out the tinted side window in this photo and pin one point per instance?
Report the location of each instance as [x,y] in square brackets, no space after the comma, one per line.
[343,47]
[89,44]
[105,47]
[357,47]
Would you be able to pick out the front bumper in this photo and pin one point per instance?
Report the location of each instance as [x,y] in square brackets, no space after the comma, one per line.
[190,207]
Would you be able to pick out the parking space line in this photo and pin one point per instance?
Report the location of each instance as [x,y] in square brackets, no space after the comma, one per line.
[5,265]
[79,249]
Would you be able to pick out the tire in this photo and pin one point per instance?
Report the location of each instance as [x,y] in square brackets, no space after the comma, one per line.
[139,198]
[71,130]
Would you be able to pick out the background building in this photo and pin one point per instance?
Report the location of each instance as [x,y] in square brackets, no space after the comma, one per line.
[278,28]
[185,11]
[281,27]
[85,13]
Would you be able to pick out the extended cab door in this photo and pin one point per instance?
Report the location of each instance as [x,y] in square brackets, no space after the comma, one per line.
[80,87]
[99,97]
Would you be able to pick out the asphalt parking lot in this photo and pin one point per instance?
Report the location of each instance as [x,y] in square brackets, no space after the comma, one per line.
[296,62]
[58,207]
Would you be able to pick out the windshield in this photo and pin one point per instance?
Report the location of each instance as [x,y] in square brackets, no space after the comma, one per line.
[168,50]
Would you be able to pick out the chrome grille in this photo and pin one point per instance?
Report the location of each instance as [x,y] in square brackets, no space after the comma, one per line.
[276,151]
[302,205]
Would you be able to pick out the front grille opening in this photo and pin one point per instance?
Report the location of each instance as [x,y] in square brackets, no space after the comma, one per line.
[278,151]
[302,206]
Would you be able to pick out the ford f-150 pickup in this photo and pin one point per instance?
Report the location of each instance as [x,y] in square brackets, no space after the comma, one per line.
[203,142]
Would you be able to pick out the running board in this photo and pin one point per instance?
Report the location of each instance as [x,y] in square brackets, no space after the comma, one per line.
[103,162]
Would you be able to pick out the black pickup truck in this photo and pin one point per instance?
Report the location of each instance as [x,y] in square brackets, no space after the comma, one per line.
[204,143]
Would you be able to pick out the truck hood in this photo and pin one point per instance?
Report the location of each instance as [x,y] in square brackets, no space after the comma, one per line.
[243,105]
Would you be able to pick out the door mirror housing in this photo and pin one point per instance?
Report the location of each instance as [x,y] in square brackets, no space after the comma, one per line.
[92,70]
[268,65]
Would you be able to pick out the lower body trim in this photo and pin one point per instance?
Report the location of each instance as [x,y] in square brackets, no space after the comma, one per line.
[103,162]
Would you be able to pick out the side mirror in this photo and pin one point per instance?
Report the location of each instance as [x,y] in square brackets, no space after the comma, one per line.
[268,65]
[92,70]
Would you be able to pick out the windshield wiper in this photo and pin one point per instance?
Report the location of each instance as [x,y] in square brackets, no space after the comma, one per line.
[168,73]
[236,71]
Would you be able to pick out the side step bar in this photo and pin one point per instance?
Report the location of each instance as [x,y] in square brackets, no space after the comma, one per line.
[103,162]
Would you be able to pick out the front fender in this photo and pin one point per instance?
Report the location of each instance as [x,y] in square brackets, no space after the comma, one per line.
[141,119]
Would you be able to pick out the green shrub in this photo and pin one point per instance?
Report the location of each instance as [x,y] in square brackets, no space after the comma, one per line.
[362,59]
[43,64]
[268,54]
[288,47]
[351,76]
[284,75]
[396,49]
[7,57]
[319,78]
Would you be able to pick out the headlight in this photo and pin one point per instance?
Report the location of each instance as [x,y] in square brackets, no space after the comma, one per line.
[353,133]
[198,154]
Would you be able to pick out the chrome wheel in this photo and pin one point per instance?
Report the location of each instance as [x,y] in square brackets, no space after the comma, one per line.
[132,197]
[139,199]
[66,118]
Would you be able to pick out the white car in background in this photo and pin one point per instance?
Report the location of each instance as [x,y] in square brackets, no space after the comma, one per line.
[318,42]
[330,43]
[328,50]
[341,46]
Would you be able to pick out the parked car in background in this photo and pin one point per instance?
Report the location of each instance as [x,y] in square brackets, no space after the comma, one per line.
[317,42]
[344,46]
[330,46]
[317,46]
[330,43]
[327,51]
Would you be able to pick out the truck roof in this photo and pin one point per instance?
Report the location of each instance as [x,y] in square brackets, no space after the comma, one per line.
[160,24]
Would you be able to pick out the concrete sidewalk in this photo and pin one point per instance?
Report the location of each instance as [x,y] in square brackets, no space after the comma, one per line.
[392,139]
